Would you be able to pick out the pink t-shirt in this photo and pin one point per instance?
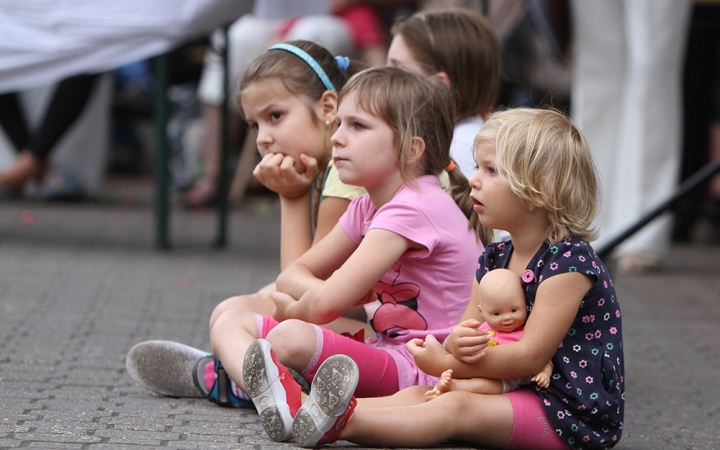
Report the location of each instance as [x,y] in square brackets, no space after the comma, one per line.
[426,291]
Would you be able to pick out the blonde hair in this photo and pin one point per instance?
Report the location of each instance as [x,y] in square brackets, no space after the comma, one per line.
[461,43]
[414,106]
[547,163]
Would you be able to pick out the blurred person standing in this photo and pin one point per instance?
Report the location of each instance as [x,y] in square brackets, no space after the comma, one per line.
[626,98]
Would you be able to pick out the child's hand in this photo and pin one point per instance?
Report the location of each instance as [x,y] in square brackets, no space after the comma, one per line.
[542,379]
[414,345]
[467,342]
[286,176]
[283,303]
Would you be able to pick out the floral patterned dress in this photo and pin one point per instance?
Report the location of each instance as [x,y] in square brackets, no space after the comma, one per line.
[586,397]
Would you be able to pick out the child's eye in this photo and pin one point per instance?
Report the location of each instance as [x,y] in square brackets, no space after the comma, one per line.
[275,116]
[491,170]
[358,126]
[253,125]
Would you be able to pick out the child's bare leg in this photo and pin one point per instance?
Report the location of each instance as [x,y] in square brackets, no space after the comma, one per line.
[444,384]
[407,397]
[254,303]
[483,420]
[231,334]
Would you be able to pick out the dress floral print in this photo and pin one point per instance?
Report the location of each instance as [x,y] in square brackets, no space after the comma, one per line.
[586,397]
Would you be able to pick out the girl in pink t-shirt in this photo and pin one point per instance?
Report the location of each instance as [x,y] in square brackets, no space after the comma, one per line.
[405,243]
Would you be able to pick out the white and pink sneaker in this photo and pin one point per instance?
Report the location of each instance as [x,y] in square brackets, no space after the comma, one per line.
[330,405]
[273,390]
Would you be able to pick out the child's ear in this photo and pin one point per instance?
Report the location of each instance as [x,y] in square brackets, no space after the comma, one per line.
[328,106]
[417,150]
[442,76]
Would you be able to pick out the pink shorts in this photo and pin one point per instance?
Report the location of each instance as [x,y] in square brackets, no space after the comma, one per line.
[531,429]
[378,370]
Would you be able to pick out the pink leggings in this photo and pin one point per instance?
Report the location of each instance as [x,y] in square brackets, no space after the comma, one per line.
[378,371]
[531,429]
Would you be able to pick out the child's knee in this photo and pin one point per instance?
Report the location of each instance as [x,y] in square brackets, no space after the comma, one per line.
[294,342]
[258,304]
[230,322]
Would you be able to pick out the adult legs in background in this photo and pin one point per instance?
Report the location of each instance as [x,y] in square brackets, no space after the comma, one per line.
[626,100]
[67,103]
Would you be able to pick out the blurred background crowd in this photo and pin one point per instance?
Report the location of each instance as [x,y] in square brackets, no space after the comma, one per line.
[640,77]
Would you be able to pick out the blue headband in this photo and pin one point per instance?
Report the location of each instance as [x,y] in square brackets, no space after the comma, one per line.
[310,62]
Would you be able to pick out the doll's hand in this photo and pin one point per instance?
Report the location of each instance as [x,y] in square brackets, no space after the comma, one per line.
[283,303]
[467,342]
[428,354]
[542,379]
[286,176]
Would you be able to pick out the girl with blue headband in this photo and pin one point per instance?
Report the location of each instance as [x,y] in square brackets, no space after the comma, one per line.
[289,97]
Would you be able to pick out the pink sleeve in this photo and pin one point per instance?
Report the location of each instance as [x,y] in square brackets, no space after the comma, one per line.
[408,221]
[352,220]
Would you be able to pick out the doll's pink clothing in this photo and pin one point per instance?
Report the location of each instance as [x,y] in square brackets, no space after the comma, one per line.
[503,337]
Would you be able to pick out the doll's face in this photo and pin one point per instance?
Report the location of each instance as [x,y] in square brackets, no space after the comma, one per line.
[502,301]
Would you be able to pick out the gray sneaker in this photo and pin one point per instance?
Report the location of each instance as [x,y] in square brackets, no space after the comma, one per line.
[165,367]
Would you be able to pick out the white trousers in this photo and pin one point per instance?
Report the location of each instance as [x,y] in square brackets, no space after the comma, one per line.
[626,99]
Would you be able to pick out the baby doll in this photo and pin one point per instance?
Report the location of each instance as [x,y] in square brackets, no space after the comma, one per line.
[502,306]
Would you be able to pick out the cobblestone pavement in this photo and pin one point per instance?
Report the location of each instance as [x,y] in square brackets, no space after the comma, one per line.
[81,283]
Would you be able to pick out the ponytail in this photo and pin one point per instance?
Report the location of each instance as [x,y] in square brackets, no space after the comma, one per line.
[460,192]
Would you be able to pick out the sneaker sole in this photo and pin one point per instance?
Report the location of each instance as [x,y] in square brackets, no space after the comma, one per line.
[165,367]
[261,382]
[332,389]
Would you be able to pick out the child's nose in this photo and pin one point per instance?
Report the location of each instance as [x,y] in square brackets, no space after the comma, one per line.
[336,139]
[263,139]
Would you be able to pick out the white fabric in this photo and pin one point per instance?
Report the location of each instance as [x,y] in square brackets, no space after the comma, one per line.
[461,147]
[626,99]
[250,36]
[283,9]
[42,41]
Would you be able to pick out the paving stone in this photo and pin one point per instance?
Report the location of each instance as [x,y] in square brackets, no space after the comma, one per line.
[83,284]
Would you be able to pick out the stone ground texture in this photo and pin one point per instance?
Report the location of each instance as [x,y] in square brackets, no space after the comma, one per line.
[81,283]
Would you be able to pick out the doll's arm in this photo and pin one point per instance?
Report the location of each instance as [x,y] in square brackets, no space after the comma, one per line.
[543,378]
